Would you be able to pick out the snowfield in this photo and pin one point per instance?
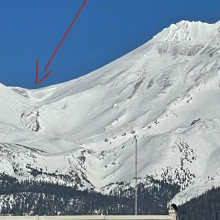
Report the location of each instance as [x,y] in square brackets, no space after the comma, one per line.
[167,92]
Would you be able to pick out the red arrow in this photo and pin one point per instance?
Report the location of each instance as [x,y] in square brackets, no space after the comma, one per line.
[36,82]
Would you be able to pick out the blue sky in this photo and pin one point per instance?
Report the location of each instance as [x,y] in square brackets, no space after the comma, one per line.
[104,31]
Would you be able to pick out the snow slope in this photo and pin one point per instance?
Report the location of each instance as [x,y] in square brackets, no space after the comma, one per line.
[166,91]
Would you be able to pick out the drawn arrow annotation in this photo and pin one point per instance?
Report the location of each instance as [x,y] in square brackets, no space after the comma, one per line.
[36,82]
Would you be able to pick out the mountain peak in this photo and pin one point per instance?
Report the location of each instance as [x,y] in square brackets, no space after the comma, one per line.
[166,91]
[186,31]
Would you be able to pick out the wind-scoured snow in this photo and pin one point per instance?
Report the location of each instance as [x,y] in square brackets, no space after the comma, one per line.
[167,92]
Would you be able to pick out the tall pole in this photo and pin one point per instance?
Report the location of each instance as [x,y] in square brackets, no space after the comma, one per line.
[135,202]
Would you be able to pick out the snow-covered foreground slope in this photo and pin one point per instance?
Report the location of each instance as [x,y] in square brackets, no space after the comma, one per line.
[167,92]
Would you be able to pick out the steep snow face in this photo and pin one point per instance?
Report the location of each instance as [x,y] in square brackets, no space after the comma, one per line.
[166,92]
[11,106]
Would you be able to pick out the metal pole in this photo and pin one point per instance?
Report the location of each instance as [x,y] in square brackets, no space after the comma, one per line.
[135,202]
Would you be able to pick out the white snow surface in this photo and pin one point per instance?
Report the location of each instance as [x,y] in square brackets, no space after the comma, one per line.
[86,125]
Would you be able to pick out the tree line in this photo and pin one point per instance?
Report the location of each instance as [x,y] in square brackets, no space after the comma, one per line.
[203,207]
[31,197]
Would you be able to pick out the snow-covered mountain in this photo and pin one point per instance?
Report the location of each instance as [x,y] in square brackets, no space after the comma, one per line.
[167,92]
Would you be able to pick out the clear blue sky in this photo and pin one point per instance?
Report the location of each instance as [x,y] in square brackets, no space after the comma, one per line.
[104,30]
